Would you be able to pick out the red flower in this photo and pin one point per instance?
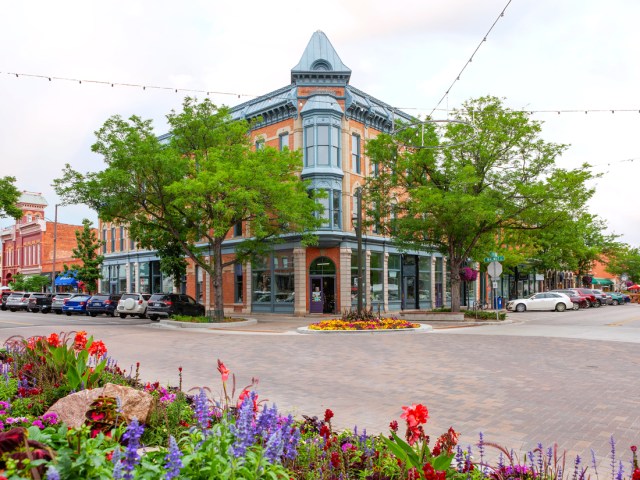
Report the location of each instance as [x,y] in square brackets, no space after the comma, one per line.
[224,371]
[53,340]
[325,431]
[245,394]
[393,426]
[97,348]
[335,459]
[109,456]
[415,415]
[413,474]
[80,341]
[634,449]
[431,474]
[328,415]
[636,474]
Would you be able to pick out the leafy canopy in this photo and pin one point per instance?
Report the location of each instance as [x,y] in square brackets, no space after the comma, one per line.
[9,196]
[494,176]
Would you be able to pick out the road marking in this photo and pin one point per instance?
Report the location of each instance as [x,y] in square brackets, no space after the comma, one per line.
[623,322]
[18,323]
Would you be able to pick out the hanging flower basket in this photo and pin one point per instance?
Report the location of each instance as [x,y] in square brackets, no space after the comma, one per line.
[468,274]
[587,279]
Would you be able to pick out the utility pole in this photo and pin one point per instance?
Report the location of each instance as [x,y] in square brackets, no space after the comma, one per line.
[359,253]
[55,240]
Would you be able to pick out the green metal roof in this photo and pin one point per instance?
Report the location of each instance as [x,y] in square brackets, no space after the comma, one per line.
[601,281]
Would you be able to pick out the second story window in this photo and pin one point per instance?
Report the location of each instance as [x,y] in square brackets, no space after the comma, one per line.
[260,144]
[113,239]
[104,240]
[284,141]
[122,239]
[237,229]
[322,146]
[355,154]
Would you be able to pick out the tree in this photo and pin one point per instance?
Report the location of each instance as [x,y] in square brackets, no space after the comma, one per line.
[86,251]
[490,175]
[9,196]
[625,260]
[195,185]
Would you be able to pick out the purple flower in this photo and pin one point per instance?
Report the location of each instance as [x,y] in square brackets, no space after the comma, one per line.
[52,473]
[50,417]
[117,464]
[290,438]
[132,437]
[38,424]
[174,460]
[244,430]
[274,448]
[201,409]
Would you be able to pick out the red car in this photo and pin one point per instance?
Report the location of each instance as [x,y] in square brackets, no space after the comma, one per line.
[585,292]
[579,301]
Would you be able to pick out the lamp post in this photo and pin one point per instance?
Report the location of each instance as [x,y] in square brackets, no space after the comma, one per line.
[55,240]
[358,227]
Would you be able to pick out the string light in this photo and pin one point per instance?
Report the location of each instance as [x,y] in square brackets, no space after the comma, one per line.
[484,39]
[145,87]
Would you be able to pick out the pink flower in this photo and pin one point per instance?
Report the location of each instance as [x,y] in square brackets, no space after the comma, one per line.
[224,371]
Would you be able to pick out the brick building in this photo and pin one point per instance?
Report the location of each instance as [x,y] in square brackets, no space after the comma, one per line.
[27,246]
[330,120]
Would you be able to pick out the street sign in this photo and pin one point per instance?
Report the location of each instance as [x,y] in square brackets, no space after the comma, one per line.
[494,269]
[494,258]
[495,284]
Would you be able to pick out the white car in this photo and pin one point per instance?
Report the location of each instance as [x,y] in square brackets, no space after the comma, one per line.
[542,301]
[133,304]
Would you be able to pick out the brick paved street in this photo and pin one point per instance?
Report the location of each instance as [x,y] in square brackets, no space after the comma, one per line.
[518,391]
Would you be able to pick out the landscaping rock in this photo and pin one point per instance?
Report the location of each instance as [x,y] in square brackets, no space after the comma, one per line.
[73,408]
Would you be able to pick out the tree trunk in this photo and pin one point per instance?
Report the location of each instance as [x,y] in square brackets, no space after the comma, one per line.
[218,304]
[454,265]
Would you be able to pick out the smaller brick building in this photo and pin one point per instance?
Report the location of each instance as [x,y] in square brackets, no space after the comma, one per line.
[27,246]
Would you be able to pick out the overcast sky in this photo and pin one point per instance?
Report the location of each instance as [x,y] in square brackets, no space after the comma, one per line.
[555,55]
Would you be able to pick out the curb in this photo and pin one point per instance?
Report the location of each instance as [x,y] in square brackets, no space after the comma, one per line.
[208,326]
[421,329]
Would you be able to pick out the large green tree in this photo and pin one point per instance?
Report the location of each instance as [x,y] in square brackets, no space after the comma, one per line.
[194,185]
[487,174]
[9,196]
[87,250]
[625,260]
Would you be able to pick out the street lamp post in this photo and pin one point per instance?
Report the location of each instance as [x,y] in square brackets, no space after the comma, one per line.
[55,240]
[358,228]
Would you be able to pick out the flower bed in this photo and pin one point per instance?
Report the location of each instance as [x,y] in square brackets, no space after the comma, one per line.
[194,435]
[375,324]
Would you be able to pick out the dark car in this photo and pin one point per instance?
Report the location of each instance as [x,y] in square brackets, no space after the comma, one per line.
[604,297]
[58,301]
[167,304]
[5,295]
[18,301]
[103,303]
[76,304]
[579,301]
[39,302]
[585,292]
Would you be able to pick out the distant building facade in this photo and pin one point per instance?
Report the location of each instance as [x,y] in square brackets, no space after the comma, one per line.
[27,246]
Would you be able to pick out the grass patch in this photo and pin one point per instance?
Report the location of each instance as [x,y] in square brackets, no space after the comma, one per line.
[185,318]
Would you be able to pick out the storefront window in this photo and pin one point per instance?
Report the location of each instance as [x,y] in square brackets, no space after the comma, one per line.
[284,277]
[376,277]
[145,284]
[393,278]
[261,281]
[122,279]
[424,282]
[438,286]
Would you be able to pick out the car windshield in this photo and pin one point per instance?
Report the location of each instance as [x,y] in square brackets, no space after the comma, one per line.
[159,296]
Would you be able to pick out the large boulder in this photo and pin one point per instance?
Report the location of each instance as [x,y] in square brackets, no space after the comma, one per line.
[73,408]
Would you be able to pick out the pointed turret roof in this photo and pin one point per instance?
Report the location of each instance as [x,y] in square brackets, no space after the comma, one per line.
[320,63]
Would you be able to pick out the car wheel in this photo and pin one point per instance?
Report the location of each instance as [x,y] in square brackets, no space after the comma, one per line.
[153,317]
[93,314]
[596,304]
[576,306]
[123,315]
[68,314]
[521,307]
[141,315]
[614,302]
[58,312]
[560,307]
[12,309]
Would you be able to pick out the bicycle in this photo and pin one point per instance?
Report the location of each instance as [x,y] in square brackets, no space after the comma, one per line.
[480,306]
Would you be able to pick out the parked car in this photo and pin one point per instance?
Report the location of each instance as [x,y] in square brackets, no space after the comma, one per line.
[593,300]
[541,301]
[5,295]
[39,302]
[133,304]
[579,301]
[76,304]
[18,301]
[103,303]
[618,298]
[58,301]
[605,298]
[167,304]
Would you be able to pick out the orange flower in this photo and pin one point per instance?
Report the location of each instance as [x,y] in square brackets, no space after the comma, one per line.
[97,348]
[53,340]
[80,341]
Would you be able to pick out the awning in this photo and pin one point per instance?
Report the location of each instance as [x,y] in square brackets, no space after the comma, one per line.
[66,281]
[601,281]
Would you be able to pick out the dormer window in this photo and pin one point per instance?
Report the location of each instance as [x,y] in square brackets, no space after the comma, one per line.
[321,65]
